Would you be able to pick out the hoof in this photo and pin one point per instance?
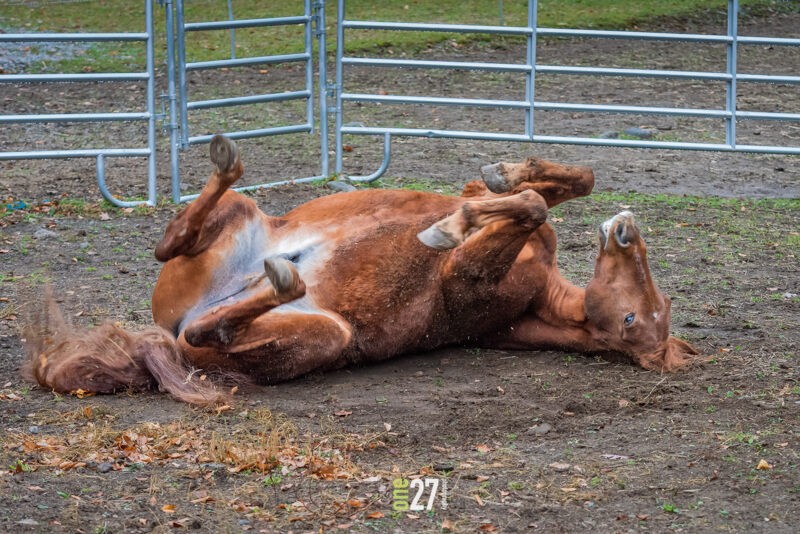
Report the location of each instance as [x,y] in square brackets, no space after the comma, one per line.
[224,153]
[438,239]
[494,179]
[281,273]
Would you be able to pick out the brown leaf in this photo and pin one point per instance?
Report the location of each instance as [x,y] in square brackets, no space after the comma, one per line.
[483,448]
[763,465]
[488,527]
[168,508]
[342,413]
[375,515]
[448,525]
[355,503]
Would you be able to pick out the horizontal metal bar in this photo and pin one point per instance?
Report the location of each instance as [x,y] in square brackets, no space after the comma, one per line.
[767,116]
[74,117]
[76,37]
[411,63]
[777,41]
[764,78]
[421,132]
[648,36]
[643,110]
[244,23]
[448,28]
[644,73]
[94,77]
[435,101]
[632,143]
[243,62]
[79,153]
[307,179]
[247,134]
[246,100]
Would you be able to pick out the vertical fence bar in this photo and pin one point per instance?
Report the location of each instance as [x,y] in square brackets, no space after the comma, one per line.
[151,105]
[323,87]
[233,32]
[308,35]
[181,37]
[530,78]
[174,142]
[338,84]
[732,51]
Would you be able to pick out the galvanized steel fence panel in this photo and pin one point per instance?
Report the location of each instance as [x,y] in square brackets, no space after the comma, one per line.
[730,114]
[100,154]
[312,20]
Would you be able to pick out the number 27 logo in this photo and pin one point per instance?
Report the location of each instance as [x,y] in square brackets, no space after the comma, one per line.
[403,487]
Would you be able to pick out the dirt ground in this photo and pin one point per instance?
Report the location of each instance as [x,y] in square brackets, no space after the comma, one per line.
[524,441]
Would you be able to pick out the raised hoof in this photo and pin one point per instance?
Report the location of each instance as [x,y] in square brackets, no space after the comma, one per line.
[224,153]
[438,239]
[494,179]
[282,273]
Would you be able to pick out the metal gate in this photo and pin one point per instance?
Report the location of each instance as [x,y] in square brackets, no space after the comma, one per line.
[312,19]
[147,114]
[529,68]
[318,86]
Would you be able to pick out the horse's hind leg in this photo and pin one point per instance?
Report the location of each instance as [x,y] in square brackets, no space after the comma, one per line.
[185,234]
[486,235]
[221,327]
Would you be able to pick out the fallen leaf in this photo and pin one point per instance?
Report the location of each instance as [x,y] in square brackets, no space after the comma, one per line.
[387,426]
[478,499]
[448,525]
[481,478]
[569,490]
[623,403]
[375,515]
[168,508]
[483,448]
[764,465]
[488,527]
[559,466]
[342,413]
[355,503]
[642,517]
[105,216]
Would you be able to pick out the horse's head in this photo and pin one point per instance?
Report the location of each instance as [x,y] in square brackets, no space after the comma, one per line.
[625,309]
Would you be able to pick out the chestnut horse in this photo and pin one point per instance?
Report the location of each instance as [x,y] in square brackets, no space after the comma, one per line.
[365,276]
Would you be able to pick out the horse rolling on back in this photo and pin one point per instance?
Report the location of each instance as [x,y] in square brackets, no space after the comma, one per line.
[365,276]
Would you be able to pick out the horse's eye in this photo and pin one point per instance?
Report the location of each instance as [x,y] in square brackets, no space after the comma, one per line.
[629,319]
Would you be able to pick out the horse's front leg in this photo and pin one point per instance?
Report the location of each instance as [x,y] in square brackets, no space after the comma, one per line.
[189,232]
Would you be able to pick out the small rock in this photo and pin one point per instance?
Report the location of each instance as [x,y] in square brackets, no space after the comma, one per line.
[28,522]
[609,135]
[641,133]
[540,429]
[213,466]
[43,233]
[33,429]
[104,467]
[84,245]
[788,295]
[338,185]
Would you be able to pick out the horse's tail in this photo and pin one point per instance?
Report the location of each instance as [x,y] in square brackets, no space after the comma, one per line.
[107,358]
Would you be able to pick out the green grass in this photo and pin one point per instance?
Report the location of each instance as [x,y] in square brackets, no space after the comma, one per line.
[128,16]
